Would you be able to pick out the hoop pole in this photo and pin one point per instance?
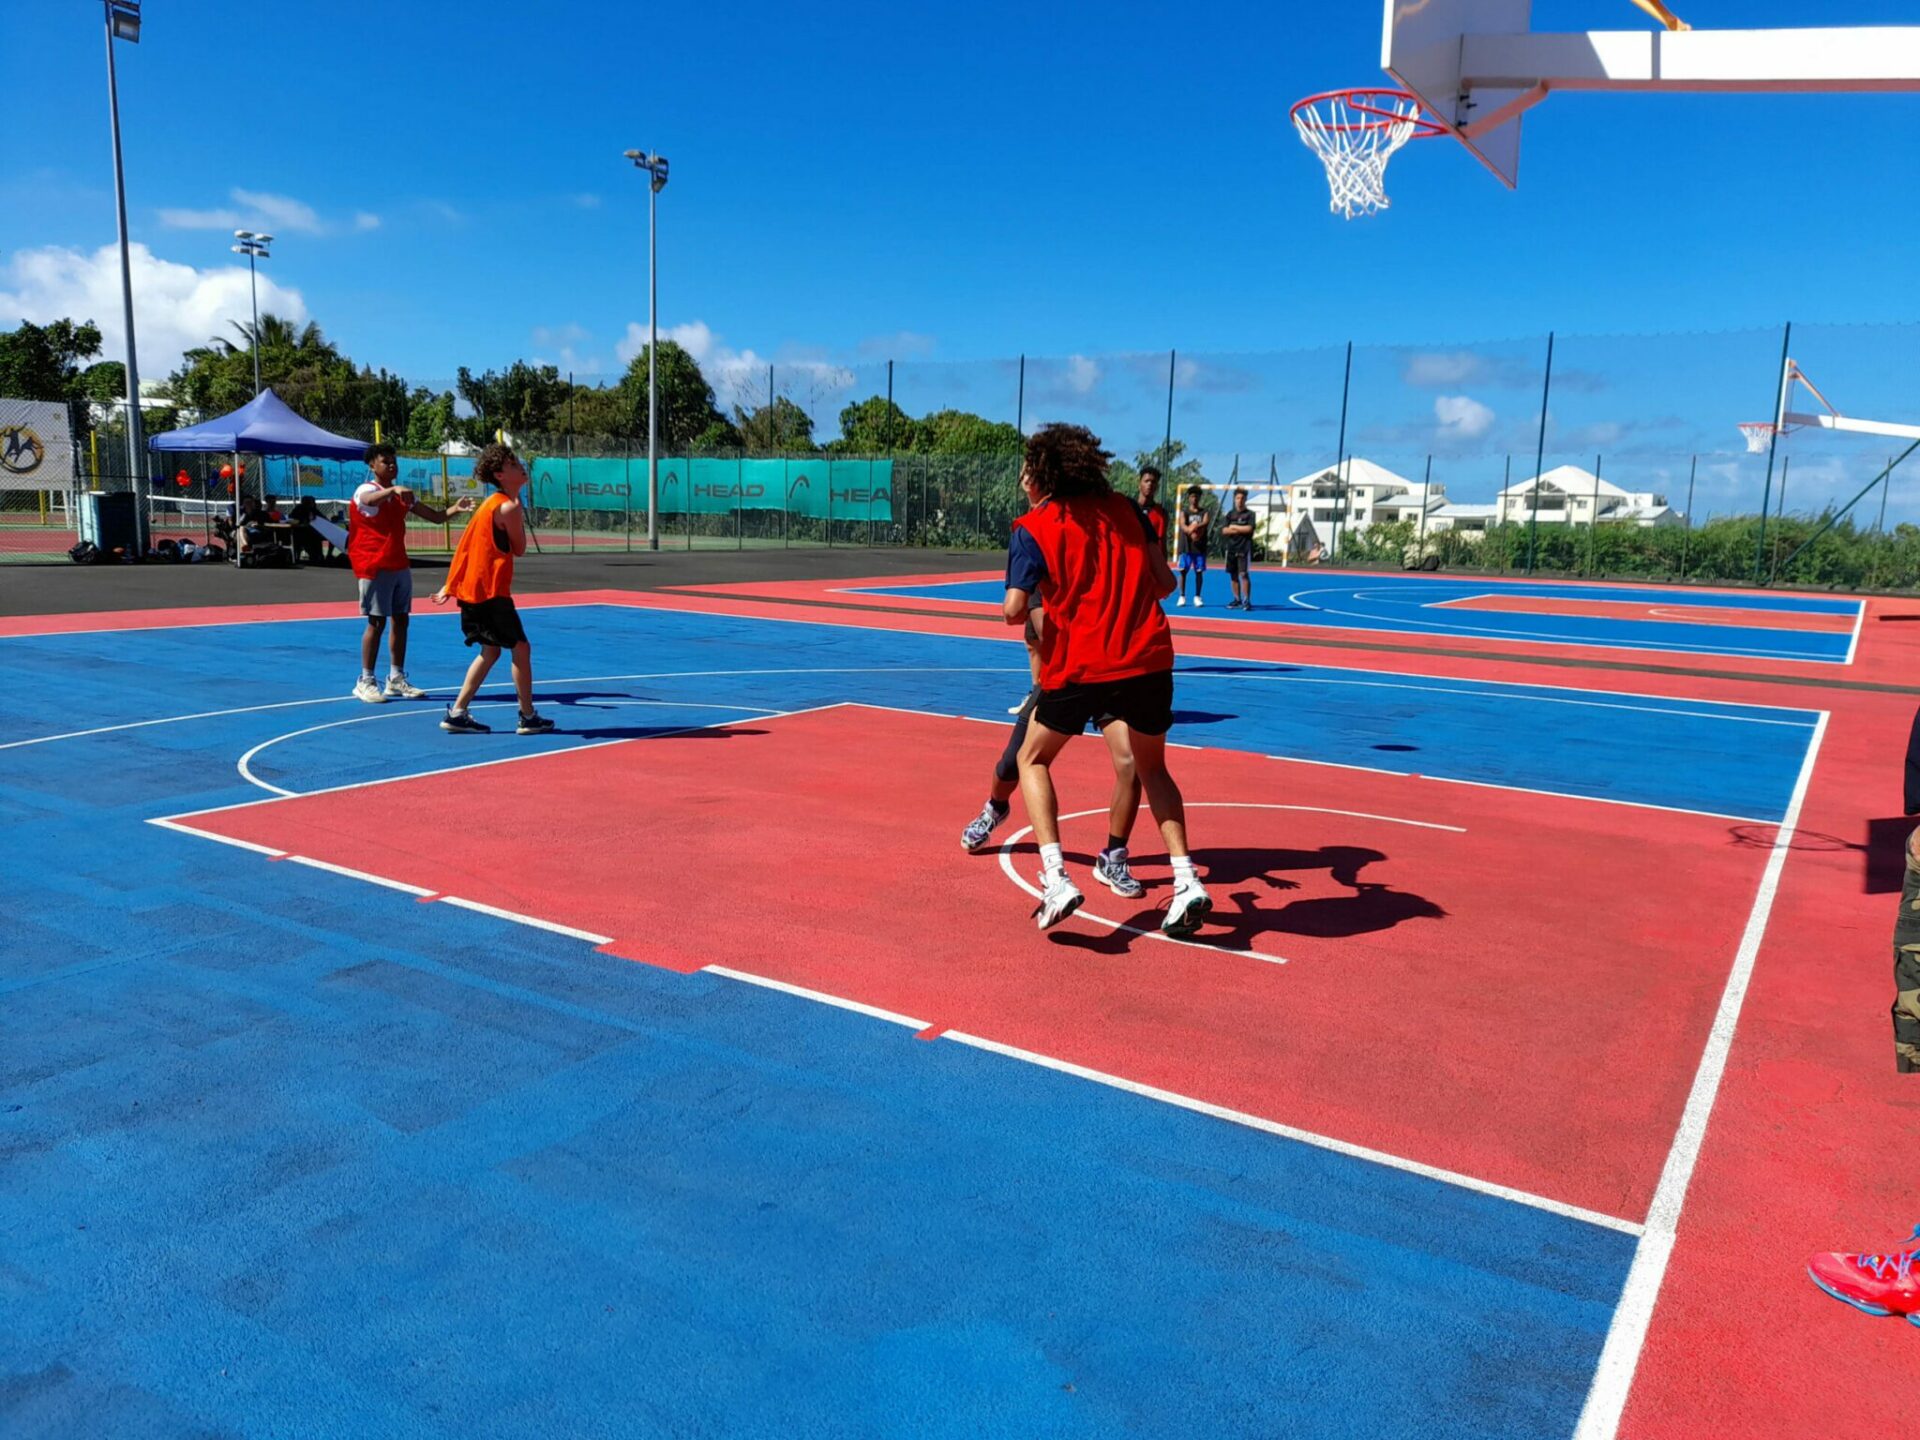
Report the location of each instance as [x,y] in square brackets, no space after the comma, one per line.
[1539,454]
[1773,447]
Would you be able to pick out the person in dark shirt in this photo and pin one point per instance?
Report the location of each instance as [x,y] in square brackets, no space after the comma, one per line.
[1195,522]
[1236,529]
[1149,502]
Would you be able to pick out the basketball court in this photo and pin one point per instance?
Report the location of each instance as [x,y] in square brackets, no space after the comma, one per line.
[690,1038]
[679,1073]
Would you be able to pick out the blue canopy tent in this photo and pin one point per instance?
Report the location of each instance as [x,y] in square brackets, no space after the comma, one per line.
[262,426]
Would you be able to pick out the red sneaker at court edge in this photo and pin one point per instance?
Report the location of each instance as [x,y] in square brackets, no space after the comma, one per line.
[1880,1284]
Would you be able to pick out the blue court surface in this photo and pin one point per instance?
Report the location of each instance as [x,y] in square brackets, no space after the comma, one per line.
[1407,605]
[289,1154]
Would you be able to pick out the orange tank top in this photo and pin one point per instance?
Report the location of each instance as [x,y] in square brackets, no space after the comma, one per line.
[482,568]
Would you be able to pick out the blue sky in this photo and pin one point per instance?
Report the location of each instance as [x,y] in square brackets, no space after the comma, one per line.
[947,184]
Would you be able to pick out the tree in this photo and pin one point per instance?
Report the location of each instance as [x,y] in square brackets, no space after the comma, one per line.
[43,362]
[875,426]
[960,432]
[431,422]
[688,415]
[781,428]
[521,399]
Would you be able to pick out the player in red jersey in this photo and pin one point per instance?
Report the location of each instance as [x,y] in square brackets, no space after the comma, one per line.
[1106,654]
[377,549]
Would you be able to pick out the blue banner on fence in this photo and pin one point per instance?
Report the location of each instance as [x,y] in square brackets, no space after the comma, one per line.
[818,489]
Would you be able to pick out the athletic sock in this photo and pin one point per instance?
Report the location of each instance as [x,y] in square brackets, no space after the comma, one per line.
[1183,870]
[1115,842]
[1051,861]
[999,807]
[366,675]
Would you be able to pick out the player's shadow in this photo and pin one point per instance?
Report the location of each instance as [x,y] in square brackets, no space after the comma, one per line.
[720,731]
[1200,717]
[1883,854]
[1253,880]
[1237,670]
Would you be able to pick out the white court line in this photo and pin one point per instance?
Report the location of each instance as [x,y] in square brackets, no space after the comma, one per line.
[179,829]
[1859,619]
[267,620]
[1304,1137]
[561,680]
[819,997]
[1632,1317]
[482,764]
[1380,622]
[1529,790]
[1006,865]
[353,874]
[515,916]
[245,763]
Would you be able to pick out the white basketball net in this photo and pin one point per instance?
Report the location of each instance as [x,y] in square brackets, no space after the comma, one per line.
[1759,435]
[1355,145]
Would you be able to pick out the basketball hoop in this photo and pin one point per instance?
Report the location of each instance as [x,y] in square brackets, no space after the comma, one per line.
[1759,435]
[1355,133]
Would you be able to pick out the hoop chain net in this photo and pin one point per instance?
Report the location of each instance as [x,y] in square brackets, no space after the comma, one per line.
[1355,146]
[1759,436]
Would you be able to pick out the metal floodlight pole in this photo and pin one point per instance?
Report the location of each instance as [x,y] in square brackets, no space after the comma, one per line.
[1686,538]
[656,168]
[123,23]
[253,246]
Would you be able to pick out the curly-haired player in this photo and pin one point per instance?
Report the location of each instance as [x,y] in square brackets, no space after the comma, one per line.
[1106,654]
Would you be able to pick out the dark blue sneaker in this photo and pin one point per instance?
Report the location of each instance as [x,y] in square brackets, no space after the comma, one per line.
[462,724]
[533,725]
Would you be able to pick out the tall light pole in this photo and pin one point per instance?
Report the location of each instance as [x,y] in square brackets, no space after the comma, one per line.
[123,23]
[253,245]
[656,168]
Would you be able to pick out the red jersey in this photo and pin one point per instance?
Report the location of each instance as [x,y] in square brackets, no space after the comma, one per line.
[482,568]
[1096,564]
[377,538]
[1157,518]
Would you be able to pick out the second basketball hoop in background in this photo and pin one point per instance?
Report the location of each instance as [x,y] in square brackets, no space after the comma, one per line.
[1355,133]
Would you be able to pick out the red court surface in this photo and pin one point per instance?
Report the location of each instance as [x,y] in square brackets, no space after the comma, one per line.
[1521,999]
[1730,614]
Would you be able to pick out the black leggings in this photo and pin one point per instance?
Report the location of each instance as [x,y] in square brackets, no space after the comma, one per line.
[1007,769]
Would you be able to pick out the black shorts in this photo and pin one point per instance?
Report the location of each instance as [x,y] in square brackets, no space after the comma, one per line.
[1237,562]
[492,622]
[1143,702]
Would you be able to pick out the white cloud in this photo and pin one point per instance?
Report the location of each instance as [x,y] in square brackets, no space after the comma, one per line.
[1462,417]
[175,306]
[1082,374]
[261,210]
[280,211]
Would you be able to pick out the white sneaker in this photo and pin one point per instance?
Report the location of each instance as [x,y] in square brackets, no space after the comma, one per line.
[1110,869]
[401,688]
[369,691]
[983,825]
[1181,601]
[1059,899]
[1191,905]
[1198,602]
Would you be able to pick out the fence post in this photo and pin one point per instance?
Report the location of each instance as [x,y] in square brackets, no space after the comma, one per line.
[1773,445]
[1426,498]
[739,510]
[627,499]
[1593,519]
[1539,455]
[446,495]
[1340,460]
[1686,536]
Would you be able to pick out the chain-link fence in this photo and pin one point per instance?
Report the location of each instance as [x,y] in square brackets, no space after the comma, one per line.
[1570,454]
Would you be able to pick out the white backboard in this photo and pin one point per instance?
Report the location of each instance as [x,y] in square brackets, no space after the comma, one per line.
[1422,50]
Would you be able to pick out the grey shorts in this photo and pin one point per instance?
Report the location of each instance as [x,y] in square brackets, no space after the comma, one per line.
[388,593]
